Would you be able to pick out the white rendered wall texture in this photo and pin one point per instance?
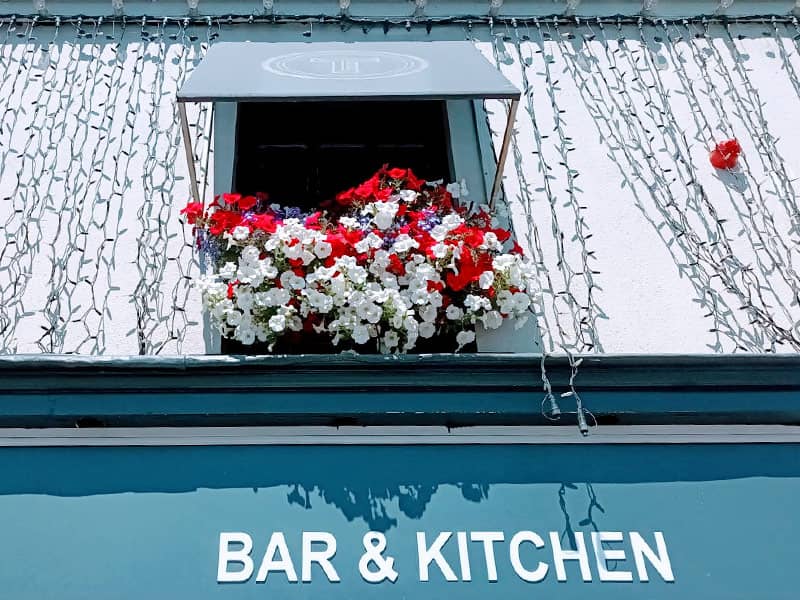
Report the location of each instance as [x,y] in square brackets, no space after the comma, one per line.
[643,246]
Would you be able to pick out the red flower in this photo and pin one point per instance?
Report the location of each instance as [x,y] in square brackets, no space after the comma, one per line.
[193,211]
[312,221]
[396,173]
[502,234]
[435,285]
[231,199]
[264,222]
[396,266]
[223,220]
[346,198]
[725,154]
[469,270]
[247,202]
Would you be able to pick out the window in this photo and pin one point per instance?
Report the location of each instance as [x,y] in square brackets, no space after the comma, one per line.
[303,153]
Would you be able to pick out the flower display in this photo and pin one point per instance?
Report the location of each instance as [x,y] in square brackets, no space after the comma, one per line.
[389,262]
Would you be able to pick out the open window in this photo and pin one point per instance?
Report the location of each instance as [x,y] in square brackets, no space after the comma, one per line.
[302,154]
[303,121]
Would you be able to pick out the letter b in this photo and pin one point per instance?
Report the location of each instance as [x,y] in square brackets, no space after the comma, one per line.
[241,556]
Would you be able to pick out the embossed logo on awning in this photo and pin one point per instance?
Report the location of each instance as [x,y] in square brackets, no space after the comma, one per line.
[345,64]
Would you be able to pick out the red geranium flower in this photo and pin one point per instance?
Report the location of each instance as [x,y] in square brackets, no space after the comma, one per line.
[223,220]
[193,211]
[231,199]
[247,202]
[725,154]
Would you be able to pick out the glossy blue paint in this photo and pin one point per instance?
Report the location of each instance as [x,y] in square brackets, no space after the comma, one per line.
[144,522]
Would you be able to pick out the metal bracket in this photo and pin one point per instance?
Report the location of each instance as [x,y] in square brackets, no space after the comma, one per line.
[501,158]
[187,145]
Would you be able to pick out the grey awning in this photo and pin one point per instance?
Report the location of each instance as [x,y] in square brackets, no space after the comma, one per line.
[301,71]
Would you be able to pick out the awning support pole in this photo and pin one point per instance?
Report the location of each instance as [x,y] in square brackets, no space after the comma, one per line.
[187,145]
[501,159]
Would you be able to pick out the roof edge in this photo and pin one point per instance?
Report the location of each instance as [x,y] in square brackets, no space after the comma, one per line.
[460,371]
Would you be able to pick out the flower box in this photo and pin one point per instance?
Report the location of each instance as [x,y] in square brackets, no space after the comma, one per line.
[393,265]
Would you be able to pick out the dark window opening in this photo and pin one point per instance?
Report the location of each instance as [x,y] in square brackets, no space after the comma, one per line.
[304,153]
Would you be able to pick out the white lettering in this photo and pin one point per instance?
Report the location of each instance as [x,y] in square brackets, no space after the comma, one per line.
[433,554]
[603,555]
[241,556]
[488,537]
[539,573]
[660,559]
[560,555]
[463,556]
[277,543]
[321,557]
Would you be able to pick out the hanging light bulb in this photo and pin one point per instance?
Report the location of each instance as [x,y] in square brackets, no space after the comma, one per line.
[118,6]
[192,4]
[344,5]
[40,5]
[725,4]
[44,60]
[649,5]
[495,6]
[573,4]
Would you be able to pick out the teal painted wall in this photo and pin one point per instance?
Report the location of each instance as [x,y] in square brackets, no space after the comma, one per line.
[144,522]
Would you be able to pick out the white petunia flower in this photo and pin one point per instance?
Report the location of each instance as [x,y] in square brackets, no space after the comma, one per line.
[464,337]
[360,334]
[391,339]
[440,250]
[454,313]
[277,323]
[228,270]
[241,233]
[428,313]
[492,319]
[322,249]
[426,329]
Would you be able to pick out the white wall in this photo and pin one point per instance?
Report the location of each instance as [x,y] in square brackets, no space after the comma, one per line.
[92,177]
[679,247]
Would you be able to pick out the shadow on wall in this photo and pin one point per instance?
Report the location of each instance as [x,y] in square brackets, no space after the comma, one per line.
[380,484]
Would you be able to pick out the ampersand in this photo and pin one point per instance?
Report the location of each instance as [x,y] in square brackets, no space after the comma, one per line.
[374,545]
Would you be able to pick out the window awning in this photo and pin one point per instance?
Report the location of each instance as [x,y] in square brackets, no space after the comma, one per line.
[303,71]
[308,71]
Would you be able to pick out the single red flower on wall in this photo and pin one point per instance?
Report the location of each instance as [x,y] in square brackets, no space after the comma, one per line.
[725,154]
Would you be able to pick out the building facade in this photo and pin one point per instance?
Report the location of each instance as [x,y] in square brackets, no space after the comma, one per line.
[141,460]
